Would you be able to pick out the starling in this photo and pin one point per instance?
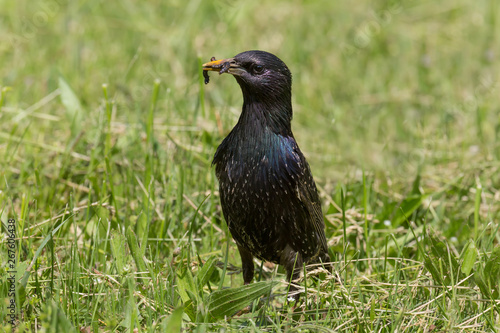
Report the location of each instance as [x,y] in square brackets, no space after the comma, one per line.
[267,192]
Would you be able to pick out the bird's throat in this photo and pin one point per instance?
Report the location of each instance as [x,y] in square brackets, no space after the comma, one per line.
[259,117]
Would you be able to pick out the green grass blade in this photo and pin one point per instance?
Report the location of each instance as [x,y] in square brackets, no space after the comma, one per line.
[47,238]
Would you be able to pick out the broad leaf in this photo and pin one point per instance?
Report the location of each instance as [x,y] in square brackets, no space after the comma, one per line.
[470,256]
[118,249]
[407,207]
[72,105]
[173,323]
[205,272]
[227,302]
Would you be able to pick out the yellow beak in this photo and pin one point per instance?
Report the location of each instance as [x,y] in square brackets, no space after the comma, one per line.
[224,66]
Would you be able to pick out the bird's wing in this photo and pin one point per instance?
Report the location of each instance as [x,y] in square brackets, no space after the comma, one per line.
[308,195]
[300,183]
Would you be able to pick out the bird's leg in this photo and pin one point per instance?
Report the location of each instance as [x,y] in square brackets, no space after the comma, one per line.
[292,261]
[325,259]
[246,264]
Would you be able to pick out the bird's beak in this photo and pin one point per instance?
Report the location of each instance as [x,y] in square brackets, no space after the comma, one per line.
[224,66]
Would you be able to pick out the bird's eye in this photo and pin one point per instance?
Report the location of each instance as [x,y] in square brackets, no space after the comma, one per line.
[257,69]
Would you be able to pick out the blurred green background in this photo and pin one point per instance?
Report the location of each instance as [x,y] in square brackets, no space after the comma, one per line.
[405,92]
[377,85]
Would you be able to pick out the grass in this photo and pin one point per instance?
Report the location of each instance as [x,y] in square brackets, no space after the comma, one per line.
[107,133]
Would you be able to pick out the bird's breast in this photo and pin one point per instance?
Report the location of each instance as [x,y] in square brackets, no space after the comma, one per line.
[259,191]
[253,176]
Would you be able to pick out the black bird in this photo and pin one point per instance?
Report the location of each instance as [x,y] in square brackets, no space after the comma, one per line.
[268,195]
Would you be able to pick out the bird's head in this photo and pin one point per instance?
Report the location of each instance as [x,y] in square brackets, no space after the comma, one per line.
[263,77]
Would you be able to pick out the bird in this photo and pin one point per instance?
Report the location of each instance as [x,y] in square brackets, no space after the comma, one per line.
[268,195]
